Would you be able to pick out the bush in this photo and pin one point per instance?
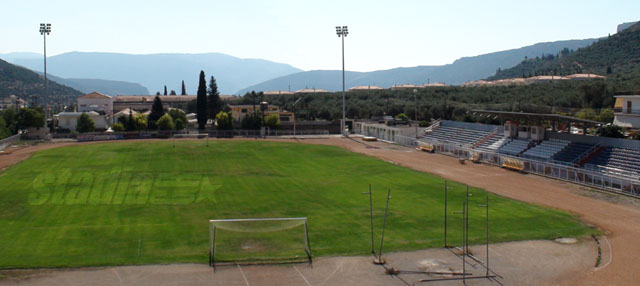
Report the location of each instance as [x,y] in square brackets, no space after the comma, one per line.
[178,114]
[251,121]
[402,117]
[224,121]
[425,123]
[272,121]
[85,124]
[165,122]
[139,122]
[117,127]
[612,131]
[179,124]
[606,115]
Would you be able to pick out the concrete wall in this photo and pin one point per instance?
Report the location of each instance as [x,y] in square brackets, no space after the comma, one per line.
[95,104]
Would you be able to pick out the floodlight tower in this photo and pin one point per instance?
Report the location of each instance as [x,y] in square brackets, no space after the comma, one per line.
[342,33]
[45,29]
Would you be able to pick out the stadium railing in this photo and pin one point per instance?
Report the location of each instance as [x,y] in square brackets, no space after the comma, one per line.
[588,177]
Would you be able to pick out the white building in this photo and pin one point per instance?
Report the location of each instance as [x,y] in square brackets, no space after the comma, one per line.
[69,120]
[96,101]
[627,111]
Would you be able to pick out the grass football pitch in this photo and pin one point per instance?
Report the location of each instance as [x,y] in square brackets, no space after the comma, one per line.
[150,202]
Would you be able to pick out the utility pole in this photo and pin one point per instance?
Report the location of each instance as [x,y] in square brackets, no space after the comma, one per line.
[342,33]
[45,29]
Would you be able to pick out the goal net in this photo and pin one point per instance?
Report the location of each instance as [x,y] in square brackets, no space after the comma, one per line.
[196,136]
[258,241]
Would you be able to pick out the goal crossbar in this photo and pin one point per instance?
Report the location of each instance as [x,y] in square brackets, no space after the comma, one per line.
[214,225]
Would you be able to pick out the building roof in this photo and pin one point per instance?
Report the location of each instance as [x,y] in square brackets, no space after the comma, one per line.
[149,98]
[546,77]
[74,114]
[537,116]
[627,96]
[278,92]
[250,106]
[366,87]
[405,86]
[435,84]
[584,76]
[95,94]
[125,112]
[311,90]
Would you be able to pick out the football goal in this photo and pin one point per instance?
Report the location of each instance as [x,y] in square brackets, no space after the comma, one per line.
[200,136]
[258,241]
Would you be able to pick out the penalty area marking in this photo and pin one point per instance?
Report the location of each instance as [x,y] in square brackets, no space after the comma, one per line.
[305,279]
[243,277]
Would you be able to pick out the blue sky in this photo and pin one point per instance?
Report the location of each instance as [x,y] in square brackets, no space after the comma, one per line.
[383,34]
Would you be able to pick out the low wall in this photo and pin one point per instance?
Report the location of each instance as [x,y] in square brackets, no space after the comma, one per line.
[7,141]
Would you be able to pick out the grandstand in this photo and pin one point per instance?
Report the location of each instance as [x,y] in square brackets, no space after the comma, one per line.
[607,162]
[456,135]
[546,149]
[573,152]
[515,146]
[616,160]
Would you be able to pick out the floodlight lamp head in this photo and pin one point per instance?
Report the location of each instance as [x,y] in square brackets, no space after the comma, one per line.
[345,30]
[338,31]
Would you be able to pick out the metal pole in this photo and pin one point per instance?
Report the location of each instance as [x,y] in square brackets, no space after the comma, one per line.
[464,262]
[384,224]
[213,251]
[373,250]
[487,231]
[308,247]
[466,217]
[46,83]
[445,214]
[415,98]
[294,116]
[343,90]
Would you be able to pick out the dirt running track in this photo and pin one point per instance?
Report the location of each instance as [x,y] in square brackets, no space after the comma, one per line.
[621,223]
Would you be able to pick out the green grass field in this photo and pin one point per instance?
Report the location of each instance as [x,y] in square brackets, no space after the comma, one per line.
[148,202]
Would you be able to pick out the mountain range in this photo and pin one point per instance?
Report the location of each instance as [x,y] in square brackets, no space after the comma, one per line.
[460,71]
[154,71]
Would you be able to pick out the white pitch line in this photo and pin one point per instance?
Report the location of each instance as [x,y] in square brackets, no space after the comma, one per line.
[243,277]
[305,279]
[610,254]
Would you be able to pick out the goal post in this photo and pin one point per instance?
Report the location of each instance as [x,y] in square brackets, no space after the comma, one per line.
[200,136]
[259,241]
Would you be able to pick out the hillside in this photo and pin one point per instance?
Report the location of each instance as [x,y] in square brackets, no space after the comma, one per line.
[154,71]
[110,87]
[25,83]
[460,71]
[617,56]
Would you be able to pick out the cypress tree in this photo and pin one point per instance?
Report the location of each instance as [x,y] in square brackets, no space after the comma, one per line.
[165,90]
[201,102]
[184,89]
[157,110]
[214,104]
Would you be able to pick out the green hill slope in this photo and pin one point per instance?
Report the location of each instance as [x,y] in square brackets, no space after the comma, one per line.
[25,83]
[617,57]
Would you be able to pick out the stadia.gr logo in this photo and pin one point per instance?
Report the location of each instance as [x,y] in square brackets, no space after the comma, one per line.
[117,187]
